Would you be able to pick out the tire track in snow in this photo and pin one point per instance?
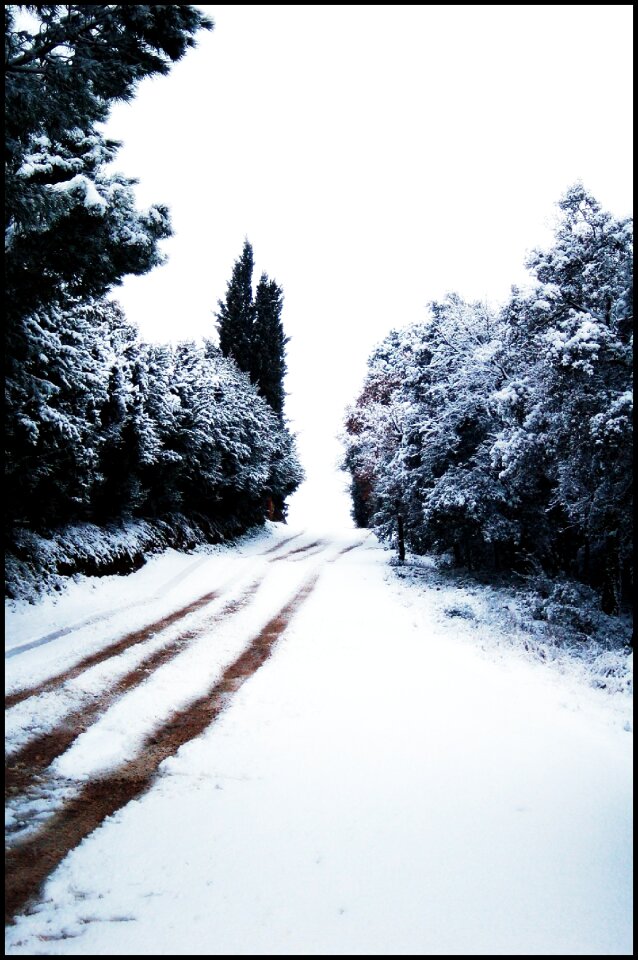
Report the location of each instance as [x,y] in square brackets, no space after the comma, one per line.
[308,546]
[280,544]
[28,864]
[351,546]
[105,615]
[108,614]
[113,649]
[143,633]
[25,766]
[320,549]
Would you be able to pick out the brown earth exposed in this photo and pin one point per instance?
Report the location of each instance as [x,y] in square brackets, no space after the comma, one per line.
[279,545]
[31,861]
[112,650]
[137,636]
[290,553]
[28,763]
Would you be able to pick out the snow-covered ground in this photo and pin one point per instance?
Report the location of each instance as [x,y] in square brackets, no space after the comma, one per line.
[399,777]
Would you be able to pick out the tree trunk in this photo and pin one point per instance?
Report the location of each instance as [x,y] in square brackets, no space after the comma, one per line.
[401,537]
[610,594]
[468,554]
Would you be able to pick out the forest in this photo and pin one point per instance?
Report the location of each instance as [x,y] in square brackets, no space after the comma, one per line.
[114,447]
[502,438]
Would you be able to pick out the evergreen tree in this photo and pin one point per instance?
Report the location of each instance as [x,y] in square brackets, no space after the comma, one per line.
[162,405]
[99,426]
[236,313]
[506,438]
[52,408]
[118,490]
[71,229]
[269,344]
[251,331]
[587,382]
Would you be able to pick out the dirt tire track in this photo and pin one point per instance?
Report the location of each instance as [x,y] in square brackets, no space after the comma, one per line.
[278,546]
[112,650]
[291,553]
[352,546]
[28,864]
[105,615]
[138,636]
[26,765]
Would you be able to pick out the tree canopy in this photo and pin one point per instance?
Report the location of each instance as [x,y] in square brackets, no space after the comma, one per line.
[99,425]
[251,331]
[504,436]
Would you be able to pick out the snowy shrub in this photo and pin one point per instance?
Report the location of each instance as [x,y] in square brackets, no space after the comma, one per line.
[36,564]
[462,610]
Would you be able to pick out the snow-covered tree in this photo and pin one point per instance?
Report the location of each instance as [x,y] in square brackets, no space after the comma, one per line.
[100,426]
[251,333]
[587,376]
[268,366]
[505,436]
[53,413]
[237,312]
[72,230]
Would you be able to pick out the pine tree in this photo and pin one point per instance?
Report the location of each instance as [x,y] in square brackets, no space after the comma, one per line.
[72,231]
[269,344]
[236,313]
[71,228]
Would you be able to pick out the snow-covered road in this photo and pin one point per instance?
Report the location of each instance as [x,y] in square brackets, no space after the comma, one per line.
[285,749]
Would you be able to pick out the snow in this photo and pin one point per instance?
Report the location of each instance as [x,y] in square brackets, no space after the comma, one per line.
[92,198]
[400,777]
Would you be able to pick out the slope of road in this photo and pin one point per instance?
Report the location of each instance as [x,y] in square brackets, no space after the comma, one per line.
[286,750]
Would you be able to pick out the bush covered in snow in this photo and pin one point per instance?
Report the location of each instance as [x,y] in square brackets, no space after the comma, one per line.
[557,622]
[38,564]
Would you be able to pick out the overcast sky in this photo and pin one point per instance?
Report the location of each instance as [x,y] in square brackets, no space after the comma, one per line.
[376,157]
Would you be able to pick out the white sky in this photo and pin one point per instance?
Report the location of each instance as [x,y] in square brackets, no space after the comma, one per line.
[375,157]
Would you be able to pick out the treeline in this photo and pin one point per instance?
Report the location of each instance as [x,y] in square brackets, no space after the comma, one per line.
[103,426]
[504,437]
[99,426]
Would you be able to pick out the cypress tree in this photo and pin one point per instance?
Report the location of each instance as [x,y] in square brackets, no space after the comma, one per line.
[236,313]
[269,344]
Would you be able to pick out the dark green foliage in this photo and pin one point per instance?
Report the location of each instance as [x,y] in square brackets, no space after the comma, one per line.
[126,430]
[83,56]
[236,313]
[251,331]
[252,334]
[54,400]
[100,427]
[269,344]
[71,230]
